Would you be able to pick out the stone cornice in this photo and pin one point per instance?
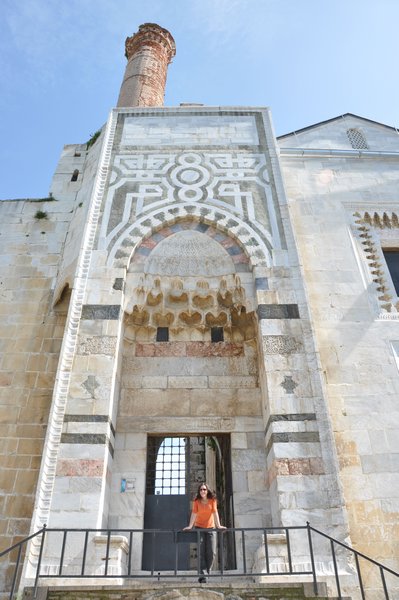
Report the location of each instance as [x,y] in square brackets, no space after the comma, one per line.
[150,34]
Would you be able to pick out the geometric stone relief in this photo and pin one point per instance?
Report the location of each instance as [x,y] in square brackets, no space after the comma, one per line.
[90,385]
[288,384]
[376,232]
[236,182]
[193,177]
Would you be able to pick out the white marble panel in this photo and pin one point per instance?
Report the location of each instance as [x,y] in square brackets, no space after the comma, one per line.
[200,130]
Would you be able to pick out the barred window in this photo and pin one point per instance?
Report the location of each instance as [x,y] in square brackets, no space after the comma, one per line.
[357,139]
[166,465]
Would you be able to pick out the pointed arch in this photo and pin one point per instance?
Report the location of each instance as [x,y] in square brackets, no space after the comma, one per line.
[256,244]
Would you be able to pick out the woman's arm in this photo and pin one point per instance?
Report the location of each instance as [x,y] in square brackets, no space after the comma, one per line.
[217,520]
[192,521]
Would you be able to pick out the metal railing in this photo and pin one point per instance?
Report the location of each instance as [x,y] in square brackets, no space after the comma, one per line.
[20,549]
[293,551]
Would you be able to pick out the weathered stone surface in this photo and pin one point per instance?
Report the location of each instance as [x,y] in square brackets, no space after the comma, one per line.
[97,345]
[278,311]
[280,344]
[328,381]
[100,311]
[149,52]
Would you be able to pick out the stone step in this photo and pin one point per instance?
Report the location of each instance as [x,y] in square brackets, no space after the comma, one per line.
[184,591]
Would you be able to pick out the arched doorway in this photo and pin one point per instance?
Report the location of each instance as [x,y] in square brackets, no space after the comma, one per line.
[175,467]
[189,375]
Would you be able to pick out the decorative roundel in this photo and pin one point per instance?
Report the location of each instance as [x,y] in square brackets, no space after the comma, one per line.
[190,176]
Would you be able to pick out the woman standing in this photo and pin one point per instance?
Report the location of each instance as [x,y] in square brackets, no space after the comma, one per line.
[205,515]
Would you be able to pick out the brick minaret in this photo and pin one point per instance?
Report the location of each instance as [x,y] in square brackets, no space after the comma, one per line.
[149,51]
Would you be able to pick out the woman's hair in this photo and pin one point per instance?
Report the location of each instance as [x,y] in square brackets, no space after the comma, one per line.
[210,495]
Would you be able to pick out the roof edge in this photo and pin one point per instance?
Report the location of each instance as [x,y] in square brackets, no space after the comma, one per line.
[280,137]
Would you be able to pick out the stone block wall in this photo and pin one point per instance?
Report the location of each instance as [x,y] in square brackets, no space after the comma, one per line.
[30,337]
[187,387]
[343,208]
[32,244]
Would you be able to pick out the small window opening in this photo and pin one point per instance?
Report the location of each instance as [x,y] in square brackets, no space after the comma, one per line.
[75,175]
[217,334]
[166,466]
[357,139]
[162,334]
[77,154]
[392,260]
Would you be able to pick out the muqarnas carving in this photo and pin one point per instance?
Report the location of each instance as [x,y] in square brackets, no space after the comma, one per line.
[191,303]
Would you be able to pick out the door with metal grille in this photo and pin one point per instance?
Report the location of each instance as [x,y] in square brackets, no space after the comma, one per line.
[166,502]
[175,467]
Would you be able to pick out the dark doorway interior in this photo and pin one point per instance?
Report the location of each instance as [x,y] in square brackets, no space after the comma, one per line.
[175,467]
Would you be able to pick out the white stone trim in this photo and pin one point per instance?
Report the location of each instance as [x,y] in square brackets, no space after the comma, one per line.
[46,478]
[376,230]
[395,350]
[258,255]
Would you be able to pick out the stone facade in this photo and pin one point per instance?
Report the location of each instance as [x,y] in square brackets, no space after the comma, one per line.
[261,261]
[344,210]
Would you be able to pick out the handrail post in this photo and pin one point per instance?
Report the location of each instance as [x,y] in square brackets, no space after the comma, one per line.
[198,552]
[266,551]
[335,568]
[244,556]
[287,537]
[221,539]
[153,553]
[39,562]
[359,575]
[107,553]
[63,551]
[384,583]
[176,551]
[129,569]
[14,579]
[312,559]
[84,552]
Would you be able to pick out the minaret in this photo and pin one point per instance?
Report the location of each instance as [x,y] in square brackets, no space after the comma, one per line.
[149,52]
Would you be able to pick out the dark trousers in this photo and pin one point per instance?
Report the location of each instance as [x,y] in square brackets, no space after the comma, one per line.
[207,550]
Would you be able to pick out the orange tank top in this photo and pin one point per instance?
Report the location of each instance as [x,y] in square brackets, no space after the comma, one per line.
[205,512]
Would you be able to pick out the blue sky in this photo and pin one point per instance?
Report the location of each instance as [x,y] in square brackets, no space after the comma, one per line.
[62,63]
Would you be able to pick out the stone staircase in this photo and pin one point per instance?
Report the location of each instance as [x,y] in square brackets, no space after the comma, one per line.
[186,591]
